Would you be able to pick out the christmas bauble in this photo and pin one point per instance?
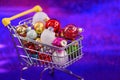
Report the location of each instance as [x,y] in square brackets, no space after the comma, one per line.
[21,30]
[39,45]
[38,40]
[53,23]
[47,36]
[73,50]
[31,34]
[44,58]
[60,57]
[40,16]
[39,27]
[71,32]
[60,42]
[31,47]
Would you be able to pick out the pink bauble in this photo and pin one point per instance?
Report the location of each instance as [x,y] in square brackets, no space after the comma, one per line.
[60,42]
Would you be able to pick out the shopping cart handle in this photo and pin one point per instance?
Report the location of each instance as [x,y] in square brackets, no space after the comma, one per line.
[6,21]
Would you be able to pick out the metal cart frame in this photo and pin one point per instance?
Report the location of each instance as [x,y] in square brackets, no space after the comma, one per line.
[26,60]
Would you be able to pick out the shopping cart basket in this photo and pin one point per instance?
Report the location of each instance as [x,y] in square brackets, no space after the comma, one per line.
[43,57]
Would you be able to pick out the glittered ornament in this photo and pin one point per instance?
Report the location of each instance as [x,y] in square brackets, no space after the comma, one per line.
[53,23]
[39,27]
[21,30]
[71,32]
[45,58]
[48,36]
[38,40]
[31,34]
[60,42]
[60,57]
[31,48]
[40,16]
[73,51]
[38,46]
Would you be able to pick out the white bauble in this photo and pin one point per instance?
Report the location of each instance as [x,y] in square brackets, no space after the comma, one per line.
[40,16]
[47,36]
[28,29]
[31,34]
[60,57]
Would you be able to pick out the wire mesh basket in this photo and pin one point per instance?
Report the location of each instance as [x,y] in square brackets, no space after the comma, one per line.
[44,55]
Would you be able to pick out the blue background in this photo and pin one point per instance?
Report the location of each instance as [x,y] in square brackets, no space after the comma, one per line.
[100,20]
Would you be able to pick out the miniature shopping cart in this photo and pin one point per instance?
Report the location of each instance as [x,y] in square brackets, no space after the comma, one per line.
[42,58]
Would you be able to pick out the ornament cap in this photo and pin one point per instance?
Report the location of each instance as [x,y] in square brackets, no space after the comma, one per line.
[80,30]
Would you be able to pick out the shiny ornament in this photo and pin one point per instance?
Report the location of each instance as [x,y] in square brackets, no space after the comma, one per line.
[71,32]
[40,16]
[31,48]
[45,57]
[73,51]
[60,57]
[48,36]
[21,30]
[39,27]
[60,42]
[38,46]
[53,23]
[38,40]
[31,34]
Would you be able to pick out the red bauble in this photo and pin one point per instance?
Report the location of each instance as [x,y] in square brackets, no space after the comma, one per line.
[31,46]
[44,57]
[53,23]
[71,32]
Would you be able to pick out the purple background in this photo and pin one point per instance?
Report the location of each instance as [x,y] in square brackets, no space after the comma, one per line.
[101,44]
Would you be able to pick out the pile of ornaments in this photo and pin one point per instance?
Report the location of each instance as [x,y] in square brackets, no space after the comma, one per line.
[48,31]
